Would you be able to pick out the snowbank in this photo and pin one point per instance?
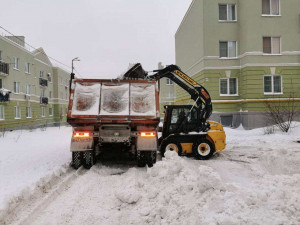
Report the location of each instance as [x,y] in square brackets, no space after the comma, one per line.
[27,156]
[175,191]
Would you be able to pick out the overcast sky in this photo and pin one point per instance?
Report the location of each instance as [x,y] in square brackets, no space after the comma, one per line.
[106,35]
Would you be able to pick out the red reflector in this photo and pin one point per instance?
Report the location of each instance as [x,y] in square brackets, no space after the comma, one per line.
[148,134]
[205,94]
[81,134]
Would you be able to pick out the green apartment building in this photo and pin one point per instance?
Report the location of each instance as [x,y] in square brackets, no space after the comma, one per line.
[33,92]
[245,52]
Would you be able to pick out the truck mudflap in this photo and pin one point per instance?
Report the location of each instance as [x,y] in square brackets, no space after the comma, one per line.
[82,141]
[147,141]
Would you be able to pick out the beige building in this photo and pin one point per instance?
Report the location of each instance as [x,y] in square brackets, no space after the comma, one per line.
[32,91]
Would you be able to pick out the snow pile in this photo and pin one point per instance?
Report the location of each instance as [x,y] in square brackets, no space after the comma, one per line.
[172,192]
[86,99]
[175,191]
[114,99]
[26,156]
[142,99]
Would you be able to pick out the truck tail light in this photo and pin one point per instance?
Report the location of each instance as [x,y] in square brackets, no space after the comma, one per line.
[81,134]
[148,134]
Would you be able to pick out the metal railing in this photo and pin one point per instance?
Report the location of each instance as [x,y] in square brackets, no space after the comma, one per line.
[4,98]
[44,100]
[43,82]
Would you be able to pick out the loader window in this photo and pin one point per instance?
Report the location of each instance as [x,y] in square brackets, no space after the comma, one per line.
[178,116]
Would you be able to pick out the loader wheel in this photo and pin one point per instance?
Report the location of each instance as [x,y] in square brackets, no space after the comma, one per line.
[141,159]
[76,160]
[203,149]
[88,159]
[171,146]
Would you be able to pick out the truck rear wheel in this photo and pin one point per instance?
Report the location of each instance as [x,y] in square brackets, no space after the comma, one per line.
[76,160]
[146,157]
[88,159]
[150,158]
[141,159]
[203,149]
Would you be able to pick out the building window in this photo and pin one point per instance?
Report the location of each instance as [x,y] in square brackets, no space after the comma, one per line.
[271,45]
[50,112]
[50,94]
[272,84]
[1,86]
[16,63]
[28,112]
[227,12]
[43,111]
[1,112]
[228,86]
[41,74]
[169,82]
[17,87]
[42,93]
[27,91]
[27,67]
[0,55]
[228,49]
[270,7]
[17,112]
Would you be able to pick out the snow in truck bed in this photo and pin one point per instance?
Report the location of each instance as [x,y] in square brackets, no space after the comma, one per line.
[136,99]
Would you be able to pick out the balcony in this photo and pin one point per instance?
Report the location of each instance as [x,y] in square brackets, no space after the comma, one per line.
[4,95]
[4,68]
[43,82]
[44,100]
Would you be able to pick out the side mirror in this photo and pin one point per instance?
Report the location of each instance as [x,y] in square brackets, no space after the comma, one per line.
[159,129]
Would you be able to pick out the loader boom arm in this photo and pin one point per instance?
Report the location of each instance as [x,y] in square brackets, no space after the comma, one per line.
[197,92]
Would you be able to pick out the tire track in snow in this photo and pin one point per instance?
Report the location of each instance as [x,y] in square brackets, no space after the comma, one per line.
[28,210]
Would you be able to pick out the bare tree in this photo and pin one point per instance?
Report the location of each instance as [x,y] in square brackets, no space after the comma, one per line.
[281,112]
[2,131]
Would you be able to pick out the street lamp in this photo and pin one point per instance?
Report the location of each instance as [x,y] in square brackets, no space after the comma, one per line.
[72,74]
[75,59]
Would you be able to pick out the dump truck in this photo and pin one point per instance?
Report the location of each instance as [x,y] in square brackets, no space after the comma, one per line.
[113,113]
[124,113]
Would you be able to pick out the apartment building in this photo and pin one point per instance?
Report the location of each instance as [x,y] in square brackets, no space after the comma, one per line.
[244,52]
[32,91]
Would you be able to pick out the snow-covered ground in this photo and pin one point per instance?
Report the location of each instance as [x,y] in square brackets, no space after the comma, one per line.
[256,180]
[27,156]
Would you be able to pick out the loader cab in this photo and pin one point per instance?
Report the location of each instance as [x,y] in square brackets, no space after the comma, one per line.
[175,116]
